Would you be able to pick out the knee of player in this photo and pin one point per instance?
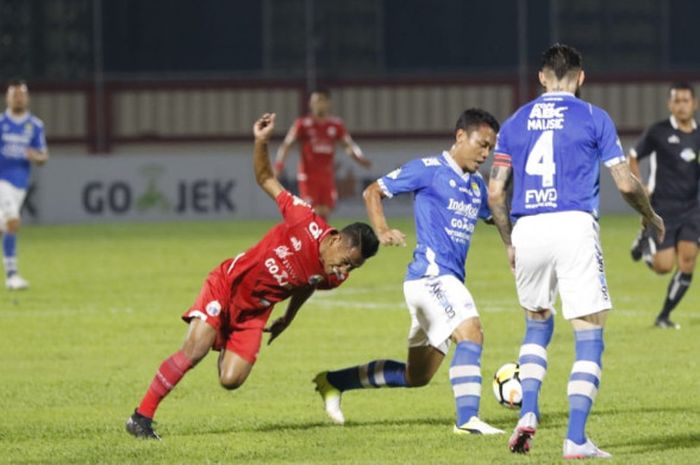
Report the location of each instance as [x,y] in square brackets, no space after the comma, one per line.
[232,381]
[686,263]
[13,225]
[417,381]
[662,268]
[195,352]
[469,330]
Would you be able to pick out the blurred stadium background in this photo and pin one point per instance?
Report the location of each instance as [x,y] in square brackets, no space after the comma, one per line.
[148,104]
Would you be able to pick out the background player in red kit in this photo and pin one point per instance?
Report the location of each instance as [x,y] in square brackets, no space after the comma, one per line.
[317,134]
[293,259]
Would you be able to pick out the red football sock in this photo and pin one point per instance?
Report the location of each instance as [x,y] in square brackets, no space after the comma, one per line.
[169,374]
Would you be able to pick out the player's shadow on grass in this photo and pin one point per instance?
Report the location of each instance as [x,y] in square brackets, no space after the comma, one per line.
[423,421]
[659,442]
[561,418]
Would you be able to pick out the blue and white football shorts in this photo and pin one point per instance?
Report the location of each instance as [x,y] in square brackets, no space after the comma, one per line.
[438,305]
[11,199]
[560,250]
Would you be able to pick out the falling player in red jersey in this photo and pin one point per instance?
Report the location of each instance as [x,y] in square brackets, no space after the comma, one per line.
[317,134]
[296,257]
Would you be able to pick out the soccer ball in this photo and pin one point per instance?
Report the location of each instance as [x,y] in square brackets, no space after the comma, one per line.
[506,386]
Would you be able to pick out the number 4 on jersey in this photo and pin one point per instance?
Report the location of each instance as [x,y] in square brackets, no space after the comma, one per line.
[540,160]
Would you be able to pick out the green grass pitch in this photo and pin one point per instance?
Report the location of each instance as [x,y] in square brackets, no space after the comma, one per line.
[79,348]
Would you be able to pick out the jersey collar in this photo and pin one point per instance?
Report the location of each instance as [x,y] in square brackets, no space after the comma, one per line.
[674,123]
[453,164]
[559,93]
[15,119]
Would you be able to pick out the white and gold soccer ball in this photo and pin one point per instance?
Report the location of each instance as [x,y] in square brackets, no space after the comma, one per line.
[507,387]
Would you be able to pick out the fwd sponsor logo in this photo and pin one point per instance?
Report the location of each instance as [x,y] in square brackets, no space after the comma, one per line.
[541,196]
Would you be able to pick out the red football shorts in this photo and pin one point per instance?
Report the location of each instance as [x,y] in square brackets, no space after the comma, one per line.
[318,191]
[238,332]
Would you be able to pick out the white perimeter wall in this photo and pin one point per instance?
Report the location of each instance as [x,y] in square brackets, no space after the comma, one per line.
[165,182]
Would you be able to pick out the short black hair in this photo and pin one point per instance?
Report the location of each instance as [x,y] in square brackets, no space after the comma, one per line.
[473,118]
[681,85]
[321,90]
[16,82]
[562,59]
[361,236]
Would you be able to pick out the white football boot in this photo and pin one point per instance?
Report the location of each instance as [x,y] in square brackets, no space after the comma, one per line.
[331,398]
[16,283]
[476,426]
[587,450]
[520,441]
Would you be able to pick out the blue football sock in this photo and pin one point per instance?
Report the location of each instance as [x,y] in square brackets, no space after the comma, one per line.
[379,373]
[533,362]
[9,249]
[465,376]
[584,381]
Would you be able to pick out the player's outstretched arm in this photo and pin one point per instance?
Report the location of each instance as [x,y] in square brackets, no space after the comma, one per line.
[499,207]
[634,194]
[353,150]
[373,196]
[262,130]
[283,149]
[295,302]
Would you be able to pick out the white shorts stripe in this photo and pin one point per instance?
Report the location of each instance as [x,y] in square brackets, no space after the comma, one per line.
[532,371]
[364,379]
[467,389]
[586,366]
[533,349]
[379,373]
[462,371]
[233,263]
[582,388]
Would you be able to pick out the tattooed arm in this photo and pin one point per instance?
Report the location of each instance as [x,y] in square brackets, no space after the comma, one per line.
[635,195]
[499,208]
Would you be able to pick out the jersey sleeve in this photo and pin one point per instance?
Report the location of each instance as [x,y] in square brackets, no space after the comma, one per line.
[292,208]
[484,211]
[299,128]
[502,152]
[609,145]
[411,177]
[341,130]
[38,141]
[645,146]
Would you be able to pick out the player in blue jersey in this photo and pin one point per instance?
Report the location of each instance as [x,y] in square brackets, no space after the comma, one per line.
[552,147]
[22,143]
[449,197]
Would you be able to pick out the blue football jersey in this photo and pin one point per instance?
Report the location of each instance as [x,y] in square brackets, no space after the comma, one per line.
[16,136]
[447,205]
[556,144]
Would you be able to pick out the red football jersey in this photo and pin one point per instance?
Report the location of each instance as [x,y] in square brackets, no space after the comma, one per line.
[317,139]
[286,258]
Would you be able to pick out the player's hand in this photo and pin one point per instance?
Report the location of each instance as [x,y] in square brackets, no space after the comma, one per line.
[657,225]
[365,162]
[276,328]
[37,157]
[262,129]
[510,250]
[392,237]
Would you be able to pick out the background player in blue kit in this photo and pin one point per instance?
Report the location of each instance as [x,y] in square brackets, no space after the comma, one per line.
[553,147]
[673,145]
[450,196]
[22,142]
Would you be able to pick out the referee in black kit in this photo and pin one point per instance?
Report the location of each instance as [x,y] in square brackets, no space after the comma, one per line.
[673,145]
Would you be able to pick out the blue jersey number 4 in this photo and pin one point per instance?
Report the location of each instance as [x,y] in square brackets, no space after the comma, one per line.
[540,160]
